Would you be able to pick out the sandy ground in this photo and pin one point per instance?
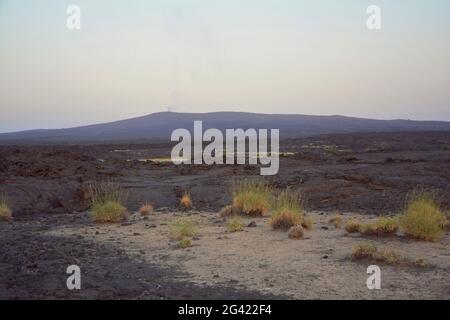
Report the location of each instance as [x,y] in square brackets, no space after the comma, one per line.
[143,262]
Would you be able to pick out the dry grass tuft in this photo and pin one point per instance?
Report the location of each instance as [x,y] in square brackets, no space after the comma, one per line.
[107,200]
[184,243]
[336,221]
[307,223]
[146,209]
[109,211]
[423,219]
[353,225]
[251,198]
[229,211]
[381,228]
[295,232]
[285,219]
[106,191]
[287,210]
[367,251]
[186,201]
[235,224]
[5,211]
[183,228]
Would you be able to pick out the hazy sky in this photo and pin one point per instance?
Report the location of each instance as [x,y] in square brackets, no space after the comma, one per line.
[134,57]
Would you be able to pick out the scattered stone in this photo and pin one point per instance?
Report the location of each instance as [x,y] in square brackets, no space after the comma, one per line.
[325,228]
[252,224]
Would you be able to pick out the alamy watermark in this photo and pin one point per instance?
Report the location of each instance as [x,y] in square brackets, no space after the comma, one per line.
[190,149]
[374,280]
[73,21]
[74,280]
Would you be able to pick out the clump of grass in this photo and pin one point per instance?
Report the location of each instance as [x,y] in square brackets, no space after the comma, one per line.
[235,225]
[363,251]
[285,219]
[423,219]
[109,211]
[228,211]
[368,229]
[287,210]
[386,226]
[186,201]
[307,223]
[5,211]
[184,243]
[336,221]
[421,263]
[146,209]
[353,225]
[367,251]
[251,198]
[107,200]
[382,227]
[295,232]
[183,228]
[106,191]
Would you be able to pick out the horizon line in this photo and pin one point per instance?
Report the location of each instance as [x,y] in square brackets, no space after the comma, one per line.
[216,112]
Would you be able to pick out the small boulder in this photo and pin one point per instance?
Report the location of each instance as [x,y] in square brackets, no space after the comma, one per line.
[252,224]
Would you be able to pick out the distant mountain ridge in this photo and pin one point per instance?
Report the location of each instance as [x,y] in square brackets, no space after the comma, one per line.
[159,126]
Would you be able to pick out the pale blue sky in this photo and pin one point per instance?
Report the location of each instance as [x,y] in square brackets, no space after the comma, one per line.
[136,57]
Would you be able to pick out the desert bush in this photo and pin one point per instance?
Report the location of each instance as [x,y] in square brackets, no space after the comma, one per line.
[295,232]
[109,211]
[107,200]
[353,225]
[251,197]
[182,228]
[336,221]
[185,201]
[422,218]
[287,210]
[368,251]
[146,209]
[5,211]
[235,224]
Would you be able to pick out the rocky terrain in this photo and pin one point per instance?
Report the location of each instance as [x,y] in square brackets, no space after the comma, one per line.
[361,175]
[349,172]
